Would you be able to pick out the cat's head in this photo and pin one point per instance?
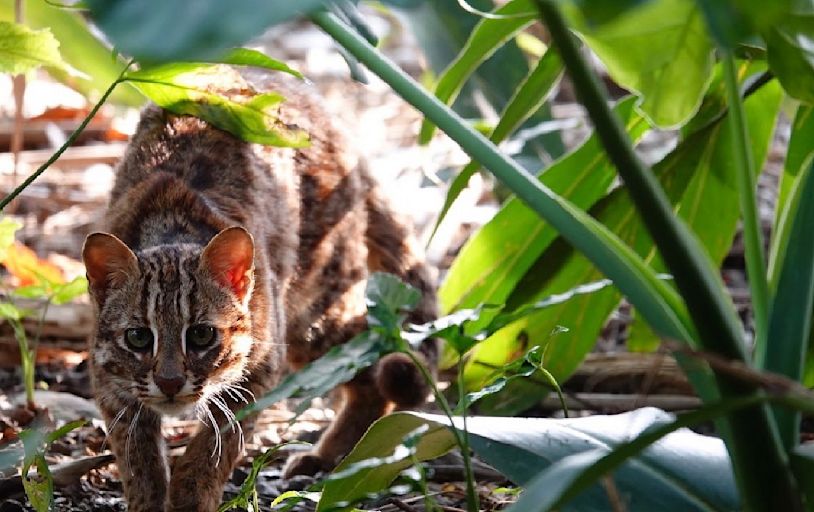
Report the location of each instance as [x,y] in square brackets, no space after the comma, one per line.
[174,323]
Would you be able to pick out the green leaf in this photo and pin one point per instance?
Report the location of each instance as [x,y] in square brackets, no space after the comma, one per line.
[155,30]
[670,475]
[247,488]
[494,259]
[529,97]
[487,36]
[734,21]
[380,442]
[8,227]
[802,463]
[185,88]
[339,365]
[23,49]
[67,292]
[254,58]
[661,51]
[698,177]
[387,296]
[801,148]
[63,430]
[10,311]
[790,47]
[793,300]
[79,48]
[40,488]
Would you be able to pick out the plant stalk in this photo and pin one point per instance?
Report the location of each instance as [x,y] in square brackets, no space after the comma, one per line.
[760,463]
[752,235]
[461,438]
[68,143]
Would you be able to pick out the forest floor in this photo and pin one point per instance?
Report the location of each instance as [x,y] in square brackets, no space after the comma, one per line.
[62,207]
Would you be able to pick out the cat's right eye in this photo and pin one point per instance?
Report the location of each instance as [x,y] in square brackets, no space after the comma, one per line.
[139,338]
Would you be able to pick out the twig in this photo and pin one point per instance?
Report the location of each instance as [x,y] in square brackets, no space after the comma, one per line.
[401,505]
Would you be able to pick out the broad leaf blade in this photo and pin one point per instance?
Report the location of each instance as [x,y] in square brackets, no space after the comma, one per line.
[698,178]
[662,51]
[496,257]
[790,47]
[669,471]
[790,310]
[380,441]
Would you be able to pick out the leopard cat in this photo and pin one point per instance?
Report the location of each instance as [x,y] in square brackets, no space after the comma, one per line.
[221,265]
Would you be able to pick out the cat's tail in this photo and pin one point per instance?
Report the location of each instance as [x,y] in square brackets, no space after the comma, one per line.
[392,248]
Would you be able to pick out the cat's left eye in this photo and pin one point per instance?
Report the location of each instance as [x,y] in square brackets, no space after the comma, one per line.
[200,336]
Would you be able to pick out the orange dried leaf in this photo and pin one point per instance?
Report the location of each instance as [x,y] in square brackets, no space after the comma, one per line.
[28,268]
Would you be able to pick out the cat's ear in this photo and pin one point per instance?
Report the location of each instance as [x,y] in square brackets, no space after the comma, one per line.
[109,262]
[229,259]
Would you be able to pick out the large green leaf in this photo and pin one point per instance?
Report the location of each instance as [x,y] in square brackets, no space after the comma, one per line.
[380,445]
[791,305]
[23,49]
[156,30]
[79,48]
[790,47]
[499,254]
[661,51]
[672,474]
[698,177]
[735,21]
[185,88]
[485,39]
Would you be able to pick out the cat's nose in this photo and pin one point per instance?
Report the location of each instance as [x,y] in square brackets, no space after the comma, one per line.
[170,386]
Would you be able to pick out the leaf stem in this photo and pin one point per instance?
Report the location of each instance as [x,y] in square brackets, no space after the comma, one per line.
[752,235]
[461,438]
[760,463]
[68,143]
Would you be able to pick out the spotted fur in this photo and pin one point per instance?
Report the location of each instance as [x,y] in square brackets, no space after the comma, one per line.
[267,248]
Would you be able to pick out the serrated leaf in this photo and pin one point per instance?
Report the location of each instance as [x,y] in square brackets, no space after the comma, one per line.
[79,48]
[23,49]
[661,51]
[187,89]
[387,296]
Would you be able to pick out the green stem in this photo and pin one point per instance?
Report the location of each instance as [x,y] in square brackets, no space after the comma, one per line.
[68,143]
[760,463]
[461,438]
[752,235]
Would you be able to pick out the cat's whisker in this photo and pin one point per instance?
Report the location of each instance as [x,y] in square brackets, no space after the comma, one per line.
[113,425]
[217,447]
[218,402]
[241,389]
[130,430]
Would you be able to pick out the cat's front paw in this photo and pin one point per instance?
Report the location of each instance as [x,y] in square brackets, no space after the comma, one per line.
[307,463]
